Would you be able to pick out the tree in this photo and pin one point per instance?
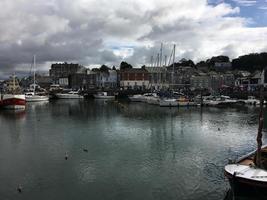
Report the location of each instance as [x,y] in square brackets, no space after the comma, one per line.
[125,65]
[211,62]
[250,62]
[104,68]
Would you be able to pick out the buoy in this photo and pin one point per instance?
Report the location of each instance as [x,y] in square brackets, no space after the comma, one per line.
[219,129]
[19,189]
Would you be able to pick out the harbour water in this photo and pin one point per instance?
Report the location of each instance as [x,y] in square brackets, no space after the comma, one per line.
[135,151]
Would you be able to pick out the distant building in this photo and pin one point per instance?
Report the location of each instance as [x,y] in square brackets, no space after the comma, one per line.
[157,77]
[63,70]
[135,78]
[82,81]
[106,79]
[44,81]
[179,76]
[222,66]
[200,81]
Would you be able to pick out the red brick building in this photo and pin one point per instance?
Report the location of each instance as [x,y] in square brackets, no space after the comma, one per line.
[135,78]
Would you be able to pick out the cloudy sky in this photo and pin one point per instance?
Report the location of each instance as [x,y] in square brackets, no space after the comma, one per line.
[95,32]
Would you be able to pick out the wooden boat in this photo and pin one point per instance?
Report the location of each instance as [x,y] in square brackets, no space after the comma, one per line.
[248,175]
[245,178]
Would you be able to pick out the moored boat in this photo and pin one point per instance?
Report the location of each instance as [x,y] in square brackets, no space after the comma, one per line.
[248,175]
[33,96]
[168,102]
[103,95]
[13,97]
[136,98]
[69,95]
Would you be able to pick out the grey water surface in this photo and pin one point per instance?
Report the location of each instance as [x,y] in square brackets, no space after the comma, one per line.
[135,151]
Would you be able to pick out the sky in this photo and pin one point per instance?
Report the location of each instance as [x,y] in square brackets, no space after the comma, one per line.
[96,32]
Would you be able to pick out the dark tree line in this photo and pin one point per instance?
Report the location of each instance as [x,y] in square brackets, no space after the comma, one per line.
[250,62]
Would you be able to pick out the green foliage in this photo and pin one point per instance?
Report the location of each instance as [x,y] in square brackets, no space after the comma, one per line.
[125,65]
[104,68]
[250,62]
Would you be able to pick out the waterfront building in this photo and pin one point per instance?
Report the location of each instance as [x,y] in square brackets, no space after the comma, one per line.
[106,79]
[134,78]
[63,70]
[82,81]
[200,81]
[179,76]
[222,66]
[157,78]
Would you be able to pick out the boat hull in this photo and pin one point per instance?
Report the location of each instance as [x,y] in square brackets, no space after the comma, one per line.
[168,103]
[103,97]
[245,179]
[68,96]
[13,102]
[242,187]
[36,98]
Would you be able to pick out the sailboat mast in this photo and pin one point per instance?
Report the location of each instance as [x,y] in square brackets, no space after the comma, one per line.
[33,73]
[173,60]
[259,136]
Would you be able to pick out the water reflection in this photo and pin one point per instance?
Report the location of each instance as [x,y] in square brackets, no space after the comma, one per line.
[135,151]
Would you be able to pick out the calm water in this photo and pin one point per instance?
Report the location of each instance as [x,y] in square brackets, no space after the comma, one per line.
[136,151]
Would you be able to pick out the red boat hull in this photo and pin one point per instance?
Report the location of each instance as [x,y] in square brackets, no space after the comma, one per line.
[13,103]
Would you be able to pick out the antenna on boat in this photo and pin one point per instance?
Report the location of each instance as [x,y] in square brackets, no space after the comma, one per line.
[259,136]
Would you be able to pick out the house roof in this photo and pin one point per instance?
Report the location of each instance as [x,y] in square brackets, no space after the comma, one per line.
[135,70]
[155,69]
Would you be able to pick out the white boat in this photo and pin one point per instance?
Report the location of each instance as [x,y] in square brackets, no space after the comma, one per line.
[252,101]
[247,179]
[136,98]
[32,96]
[69,95]
[219,101]
[154,99]
[103,95]
[248,175]
[168,102]
[13,98]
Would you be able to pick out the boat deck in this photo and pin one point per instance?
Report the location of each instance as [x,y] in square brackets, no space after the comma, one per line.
[249,159]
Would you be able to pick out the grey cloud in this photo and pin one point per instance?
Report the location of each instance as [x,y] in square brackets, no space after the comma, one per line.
[82,31]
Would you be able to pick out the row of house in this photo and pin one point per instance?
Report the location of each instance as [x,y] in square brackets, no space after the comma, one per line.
[175,77]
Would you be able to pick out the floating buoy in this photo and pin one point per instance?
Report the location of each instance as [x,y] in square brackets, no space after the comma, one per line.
[219,129]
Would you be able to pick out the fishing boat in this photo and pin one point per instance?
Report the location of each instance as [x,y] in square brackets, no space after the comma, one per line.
[13,97]
[69,95]
[103,95]
[33,96]
[248,175]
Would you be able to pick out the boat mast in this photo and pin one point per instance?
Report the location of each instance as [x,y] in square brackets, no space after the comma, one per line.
[259,136]
[160,65]
[173,60]
[34,74]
